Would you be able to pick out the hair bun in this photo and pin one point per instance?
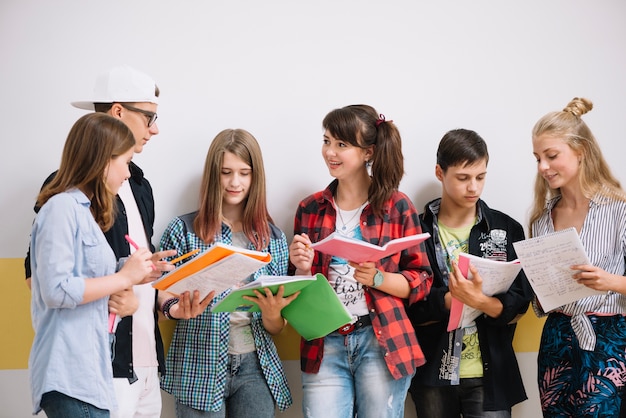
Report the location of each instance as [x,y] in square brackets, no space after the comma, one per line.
[578,106]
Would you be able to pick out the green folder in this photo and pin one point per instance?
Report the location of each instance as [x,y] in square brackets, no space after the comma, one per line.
[315,313]
[235,302]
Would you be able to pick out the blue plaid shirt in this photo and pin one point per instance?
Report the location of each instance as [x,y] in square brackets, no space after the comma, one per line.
[196,362]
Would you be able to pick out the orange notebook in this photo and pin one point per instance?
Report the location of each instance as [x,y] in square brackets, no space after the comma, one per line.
[218,268]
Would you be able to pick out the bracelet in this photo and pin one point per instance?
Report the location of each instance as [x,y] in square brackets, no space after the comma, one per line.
[165,308]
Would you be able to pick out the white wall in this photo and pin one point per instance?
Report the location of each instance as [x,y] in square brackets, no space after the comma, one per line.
[276,68]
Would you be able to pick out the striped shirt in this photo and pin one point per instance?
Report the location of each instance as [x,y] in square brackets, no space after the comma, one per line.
[316,216]
[604,237]
[198,355]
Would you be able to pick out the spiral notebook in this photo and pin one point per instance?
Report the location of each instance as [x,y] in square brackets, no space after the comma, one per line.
[546,260]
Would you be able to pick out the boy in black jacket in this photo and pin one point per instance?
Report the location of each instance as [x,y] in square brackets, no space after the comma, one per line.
[471,371]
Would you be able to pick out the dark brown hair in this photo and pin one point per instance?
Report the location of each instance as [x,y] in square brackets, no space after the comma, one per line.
[361,126]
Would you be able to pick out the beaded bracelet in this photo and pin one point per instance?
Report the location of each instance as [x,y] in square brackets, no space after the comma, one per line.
[165,308]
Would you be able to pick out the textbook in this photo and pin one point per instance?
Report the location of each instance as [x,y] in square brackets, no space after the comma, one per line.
[218,268]
[359,251]
[315,313]
[546,260]
[498,276]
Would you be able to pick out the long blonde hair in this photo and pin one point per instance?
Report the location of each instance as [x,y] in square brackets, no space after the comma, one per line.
[594,176]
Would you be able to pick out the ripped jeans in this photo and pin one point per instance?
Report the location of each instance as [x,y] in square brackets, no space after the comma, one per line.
[353,379]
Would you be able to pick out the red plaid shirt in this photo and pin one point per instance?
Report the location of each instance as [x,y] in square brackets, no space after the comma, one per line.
[316,216]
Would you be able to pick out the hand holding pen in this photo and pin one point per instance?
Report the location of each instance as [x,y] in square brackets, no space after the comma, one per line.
[137,268]
[162,266]
[158,265]
[186,255]
[301,254]
[137,262]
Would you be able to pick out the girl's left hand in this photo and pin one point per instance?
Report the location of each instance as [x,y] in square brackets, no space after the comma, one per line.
[124,303]
[271,304]
[595,278]
[364,272]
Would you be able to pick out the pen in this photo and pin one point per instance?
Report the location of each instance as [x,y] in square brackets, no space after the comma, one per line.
[182,257]
[112,322]
[131,242]
[112,316]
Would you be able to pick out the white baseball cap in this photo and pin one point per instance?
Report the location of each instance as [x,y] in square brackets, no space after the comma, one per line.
[121,84]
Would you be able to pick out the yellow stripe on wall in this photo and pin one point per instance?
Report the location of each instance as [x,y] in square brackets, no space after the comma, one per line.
[17,332]
[528,333]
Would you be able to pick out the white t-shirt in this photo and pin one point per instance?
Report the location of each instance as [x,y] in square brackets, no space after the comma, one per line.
[240,339]
[144,344]
[340,273]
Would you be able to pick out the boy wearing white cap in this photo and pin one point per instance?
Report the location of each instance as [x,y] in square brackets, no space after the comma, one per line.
[138,357]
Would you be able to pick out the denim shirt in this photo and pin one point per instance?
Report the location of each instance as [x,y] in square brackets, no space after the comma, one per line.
[70,352]
[142,191]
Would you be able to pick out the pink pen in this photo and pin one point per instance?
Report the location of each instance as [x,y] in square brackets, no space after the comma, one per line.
[112,322]
[112,316]
[131,242]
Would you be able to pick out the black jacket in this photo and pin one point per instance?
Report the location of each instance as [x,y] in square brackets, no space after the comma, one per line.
[142,191]
[502,381]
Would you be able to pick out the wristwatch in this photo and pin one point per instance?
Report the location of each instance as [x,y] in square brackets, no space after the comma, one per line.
[378,278]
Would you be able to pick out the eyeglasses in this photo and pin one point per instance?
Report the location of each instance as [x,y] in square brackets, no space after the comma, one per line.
[152,117]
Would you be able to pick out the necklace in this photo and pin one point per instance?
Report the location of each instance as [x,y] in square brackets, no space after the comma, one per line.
[356,212]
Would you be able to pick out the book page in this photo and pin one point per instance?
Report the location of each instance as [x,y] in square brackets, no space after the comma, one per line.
[546,260]
[498,276]
[235,302]
[219,276]
[360,251]
[265,281]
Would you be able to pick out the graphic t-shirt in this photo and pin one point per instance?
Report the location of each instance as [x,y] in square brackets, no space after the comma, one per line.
[340,273]
[455,241]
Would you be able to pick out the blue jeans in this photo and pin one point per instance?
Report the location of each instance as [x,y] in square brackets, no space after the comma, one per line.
[353,379]
[465,399]
[246,393]
[57,405]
